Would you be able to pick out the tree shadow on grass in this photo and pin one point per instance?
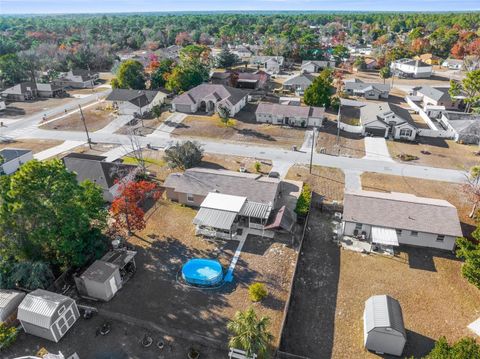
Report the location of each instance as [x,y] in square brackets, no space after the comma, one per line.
[247,132]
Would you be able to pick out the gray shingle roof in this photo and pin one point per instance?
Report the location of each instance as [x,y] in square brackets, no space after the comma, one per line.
[435,93]
[372,112]
[290,111]
[301,79]
[9,154]
[460,121]
[136,97]
[99,271]
[95,169]
[402,211]
[366,86]
[201,181]
[220,92]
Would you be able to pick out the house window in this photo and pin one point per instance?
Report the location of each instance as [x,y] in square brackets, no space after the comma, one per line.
[399,232]
[405,132]
[440,238]
[358,226]
[190,197]
[414,233]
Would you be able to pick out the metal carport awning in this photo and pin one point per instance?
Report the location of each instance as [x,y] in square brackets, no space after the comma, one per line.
[385,236]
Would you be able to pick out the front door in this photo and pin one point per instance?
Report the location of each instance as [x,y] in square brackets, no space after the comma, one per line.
[113,285]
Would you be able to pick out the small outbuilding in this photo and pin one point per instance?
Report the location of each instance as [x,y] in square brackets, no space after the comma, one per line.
[106,276]
[9,302]
[384,331]
[47,315]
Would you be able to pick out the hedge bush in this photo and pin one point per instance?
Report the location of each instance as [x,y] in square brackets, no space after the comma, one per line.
[303,203]
[8,335]
[257,292]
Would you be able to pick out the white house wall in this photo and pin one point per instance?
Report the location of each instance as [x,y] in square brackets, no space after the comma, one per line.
[422,239]
[13,165]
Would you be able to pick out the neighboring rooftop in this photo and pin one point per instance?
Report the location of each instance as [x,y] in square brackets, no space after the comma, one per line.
[9,154]
[139,98]
[359,85]
[300,79]
[402,211]
[290,111]
[435,93]
[201,181]
[461,120]
[219,92]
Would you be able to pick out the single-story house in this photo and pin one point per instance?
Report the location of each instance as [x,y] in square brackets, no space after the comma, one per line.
[385,119]
[130,102]
[300,116]
[30,90]
[9,302]
[411,68]
[227,200]
[370,63]
[429,59]
[171,52]
[244,80]
[313,66]
[453,64]
[383,328]
[78,78]
[106,276]
[12,158]
[241,51]
[401,218]
[465,127]
[107,175]
[47,315]
[368,90]
[298,83]
[271,64]
[436,96]
[208,97]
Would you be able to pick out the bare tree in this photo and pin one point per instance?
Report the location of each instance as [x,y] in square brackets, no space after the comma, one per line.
[472,189]
[136,151]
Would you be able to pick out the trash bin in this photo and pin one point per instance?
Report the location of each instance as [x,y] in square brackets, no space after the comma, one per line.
[294,148]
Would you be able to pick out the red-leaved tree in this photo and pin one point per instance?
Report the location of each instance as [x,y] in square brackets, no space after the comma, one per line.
[127,208]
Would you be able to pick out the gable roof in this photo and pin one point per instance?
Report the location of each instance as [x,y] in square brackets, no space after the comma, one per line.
[9,154]
[289,111]
[461,121]
[219,92]
[99,271]
[366,86]
[301,79]
[402,211]
[383,311]
[201,181]
[95,169]
[372,112]
[435,93]
[135,97]
[38,307]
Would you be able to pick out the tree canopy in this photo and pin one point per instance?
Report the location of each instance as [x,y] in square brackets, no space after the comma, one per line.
[226,59]
[45,215]
[184,155]
[130,75]
[320,92]
[464,348]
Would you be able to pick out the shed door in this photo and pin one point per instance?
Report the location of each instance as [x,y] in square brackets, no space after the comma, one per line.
[65,321]
[113,285]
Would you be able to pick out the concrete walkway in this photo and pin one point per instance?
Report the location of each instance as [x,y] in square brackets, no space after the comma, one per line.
[281,167]
[475,327]
[307,143]
[170,124]
[233,263]
[116,124]
[118,152]
[66,146]
[353,180]
[376,149]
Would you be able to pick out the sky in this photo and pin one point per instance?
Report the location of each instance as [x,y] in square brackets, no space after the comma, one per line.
[96,6]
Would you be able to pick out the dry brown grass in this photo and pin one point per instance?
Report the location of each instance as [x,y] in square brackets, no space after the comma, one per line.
[21,109]
[241,131]
[156,164]
[96,118]
[450,192]
[31,144]
[261,261]
[349,144]
[149,125]
[443,153]
[435,302]
[325,181]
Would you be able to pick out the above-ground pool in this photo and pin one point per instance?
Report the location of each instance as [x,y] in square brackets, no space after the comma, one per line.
[204,272]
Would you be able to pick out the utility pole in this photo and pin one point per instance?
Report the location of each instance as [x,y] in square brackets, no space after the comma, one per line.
[86,129]
[313,146]
[338,121]
[140,108]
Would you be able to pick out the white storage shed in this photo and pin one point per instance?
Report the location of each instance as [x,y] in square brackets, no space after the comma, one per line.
[384,332]
[9,302]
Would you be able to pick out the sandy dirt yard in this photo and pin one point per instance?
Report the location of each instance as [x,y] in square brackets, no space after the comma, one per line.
[332,285]
[450,192]
[20,109]
[437,152]
[325,181]
[166,243]
[241,129]
[31,144]
[96,116]
[346,144]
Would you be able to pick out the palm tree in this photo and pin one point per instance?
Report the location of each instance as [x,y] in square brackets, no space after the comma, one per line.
[250,333]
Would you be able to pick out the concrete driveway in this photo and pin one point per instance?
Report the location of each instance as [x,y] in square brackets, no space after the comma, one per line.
[376,149]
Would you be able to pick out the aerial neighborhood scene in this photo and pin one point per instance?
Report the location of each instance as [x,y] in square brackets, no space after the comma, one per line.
[241,180]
